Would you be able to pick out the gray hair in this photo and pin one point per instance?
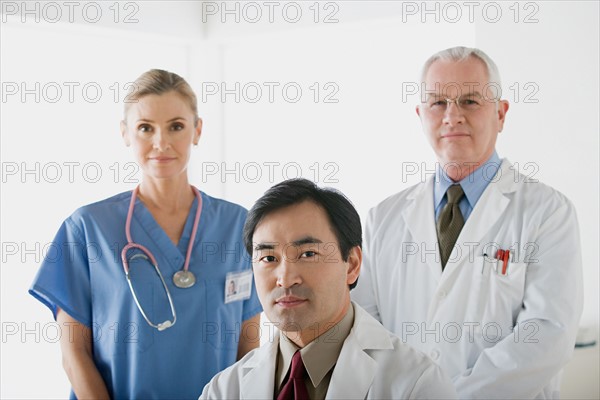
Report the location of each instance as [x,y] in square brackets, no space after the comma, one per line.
[461,53]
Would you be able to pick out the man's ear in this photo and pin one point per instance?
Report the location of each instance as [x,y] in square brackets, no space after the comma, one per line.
[502,110]
[354,263]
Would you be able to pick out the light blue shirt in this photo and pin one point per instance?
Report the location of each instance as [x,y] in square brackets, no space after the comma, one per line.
[84,276]
[473,185]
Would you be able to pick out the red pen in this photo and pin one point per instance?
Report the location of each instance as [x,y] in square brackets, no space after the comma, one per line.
[500,254]
[505,261]
[503,255]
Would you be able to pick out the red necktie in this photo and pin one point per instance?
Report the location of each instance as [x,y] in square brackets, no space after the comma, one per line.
[294,388]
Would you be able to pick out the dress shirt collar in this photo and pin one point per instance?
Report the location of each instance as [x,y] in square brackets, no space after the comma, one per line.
[320,355]
[473,184]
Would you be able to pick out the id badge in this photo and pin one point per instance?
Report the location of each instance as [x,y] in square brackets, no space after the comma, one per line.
[238,286]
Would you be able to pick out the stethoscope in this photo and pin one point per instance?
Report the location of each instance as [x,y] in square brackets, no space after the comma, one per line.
[182,279]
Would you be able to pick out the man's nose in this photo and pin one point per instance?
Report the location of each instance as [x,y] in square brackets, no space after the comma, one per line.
[288,273]
[453,114]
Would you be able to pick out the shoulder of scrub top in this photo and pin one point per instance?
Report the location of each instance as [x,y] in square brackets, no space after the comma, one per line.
[214,207]
[224,211]
[103,206]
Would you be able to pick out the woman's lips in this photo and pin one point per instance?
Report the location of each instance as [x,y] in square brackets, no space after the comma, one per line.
[161,159]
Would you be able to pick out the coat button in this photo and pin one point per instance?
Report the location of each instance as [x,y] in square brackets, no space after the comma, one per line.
[435,354]
[441,294]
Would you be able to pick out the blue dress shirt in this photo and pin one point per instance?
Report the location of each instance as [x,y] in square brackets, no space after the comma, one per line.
[473,185]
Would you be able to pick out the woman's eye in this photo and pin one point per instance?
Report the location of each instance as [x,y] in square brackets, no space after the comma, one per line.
[144,128]
[177,127]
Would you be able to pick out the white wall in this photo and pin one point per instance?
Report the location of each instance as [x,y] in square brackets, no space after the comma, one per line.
[50,136]
[364,140]
[558,57]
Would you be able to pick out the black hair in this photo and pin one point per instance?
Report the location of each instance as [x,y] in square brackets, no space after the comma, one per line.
[343,217]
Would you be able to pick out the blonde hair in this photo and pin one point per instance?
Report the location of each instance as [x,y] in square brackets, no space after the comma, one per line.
[158,81]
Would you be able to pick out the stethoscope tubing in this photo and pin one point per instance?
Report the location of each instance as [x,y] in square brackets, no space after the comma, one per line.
[148,255]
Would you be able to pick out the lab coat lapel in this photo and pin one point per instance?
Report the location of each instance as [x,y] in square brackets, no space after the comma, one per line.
[355,368]
[420,220]
[258,380]
[487,211]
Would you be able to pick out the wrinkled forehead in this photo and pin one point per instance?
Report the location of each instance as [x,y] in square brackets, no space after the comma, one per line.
[452,79]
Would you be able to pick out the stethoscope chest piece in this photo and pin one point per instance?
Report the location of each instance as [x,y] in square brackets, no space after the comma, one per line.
[184,279]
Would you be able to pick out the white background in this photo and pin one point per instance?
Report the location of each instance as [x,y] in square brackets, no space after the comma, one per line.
[547,53]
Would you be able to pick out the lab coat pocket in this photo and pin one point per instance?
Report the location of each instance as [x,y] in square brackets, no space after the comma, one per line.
[501,295]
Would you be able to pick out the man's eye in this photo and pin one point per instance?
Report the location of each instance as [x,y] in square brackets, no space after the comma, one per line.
[439,103]
[268,259]
[469,102]
[308,254]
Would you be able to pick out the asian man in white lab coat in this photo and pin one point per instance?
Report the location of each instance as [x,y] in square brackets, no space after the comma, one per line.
[305,243]
[478,266]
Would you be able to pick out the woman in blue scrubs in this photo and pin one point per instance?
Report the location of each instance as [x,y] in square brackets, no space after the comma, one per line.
[140,284]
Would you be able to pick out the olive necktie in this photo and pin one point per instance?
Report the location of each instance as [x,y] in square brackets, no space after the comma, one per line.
[294,387]
[449,223]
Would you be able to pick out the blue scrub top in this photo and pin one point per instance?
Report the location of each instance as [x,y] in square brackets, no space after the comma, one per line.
[83,275]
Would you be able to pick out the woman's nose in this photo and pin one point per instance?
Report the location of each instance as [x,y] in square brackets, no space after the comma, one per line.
[160,140]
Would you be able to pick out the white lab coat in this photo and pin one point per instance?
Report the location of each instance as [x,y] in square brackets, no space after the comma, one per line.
[373,364]
[495,336]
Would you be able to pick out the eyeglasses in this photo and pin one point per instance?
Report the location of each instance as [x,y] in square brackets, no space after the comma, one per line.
[467,103]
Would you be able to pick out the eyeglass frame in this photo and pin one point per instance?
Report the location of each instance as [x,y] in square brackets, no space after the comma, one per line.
[456,101]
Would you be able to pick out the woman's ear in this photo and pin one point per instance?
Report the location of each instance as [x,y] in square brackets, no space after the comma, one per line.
[198,131]
[124,134]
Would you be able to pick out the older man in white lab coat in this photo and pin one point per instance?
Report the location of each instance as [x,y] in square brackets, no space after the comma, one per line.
[478,266]
[306,251]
